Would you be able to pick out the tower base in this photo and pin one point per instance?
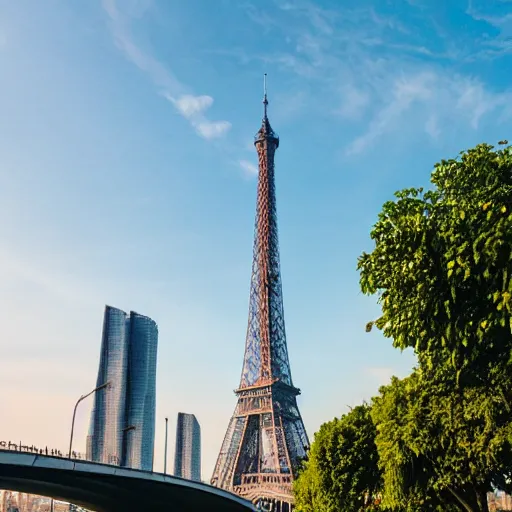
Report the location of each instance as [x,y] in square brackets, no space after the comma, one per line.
[270,492]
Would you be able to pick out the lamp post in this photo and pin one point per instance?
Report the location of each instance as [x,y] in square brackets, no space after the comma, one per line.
[165,453]
[83,397]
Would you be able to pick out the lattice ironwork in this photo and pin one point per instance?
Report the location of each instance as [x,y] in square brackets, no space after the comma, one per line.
[266,437]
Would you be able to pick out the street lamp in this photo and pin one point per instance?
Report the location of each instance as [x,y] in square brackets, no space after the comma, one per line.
[83,397]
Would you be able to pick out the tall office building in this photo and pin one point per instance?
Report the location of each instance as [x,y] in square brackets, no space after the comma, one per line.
[187,458]
[105,440]
[141,392]
[122,428]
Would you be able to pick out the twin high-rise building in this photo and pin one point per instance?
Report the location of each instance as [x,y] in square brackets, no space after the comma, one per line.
[187,458]
[122,428]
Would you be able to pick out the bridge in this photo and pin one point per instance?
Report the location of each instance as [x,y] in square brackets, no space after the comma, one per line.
[105,488]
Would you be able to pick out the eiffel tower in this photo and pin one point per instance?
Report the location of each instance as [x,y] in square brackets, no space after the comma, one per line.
[266,438]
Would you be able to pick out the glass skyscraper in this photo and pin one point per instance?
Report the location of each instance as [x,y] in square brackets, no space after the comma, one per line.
[141,386]
[105,440]
[122,428]
[187,458]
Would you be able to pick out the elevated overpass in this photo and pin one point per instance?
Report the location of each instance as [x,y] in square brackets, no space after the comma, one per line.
[105,488]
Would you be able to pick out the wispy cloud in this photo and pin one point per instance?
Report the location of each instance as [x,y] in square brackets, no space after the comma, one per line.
[212,130]
[261,17]
[192,108]
[189,106]
[322,19]
[432,99]
[353,101]
[405,92]
[250,170]
[500,44]
[370,67]
[432,126]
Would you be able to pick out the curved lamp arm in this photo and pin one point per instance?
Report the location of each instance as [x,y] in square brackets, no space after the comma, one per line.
[83,397]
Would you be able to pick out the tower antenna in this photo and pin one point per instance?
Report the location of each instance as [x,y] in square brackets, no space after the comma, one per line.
[265,101]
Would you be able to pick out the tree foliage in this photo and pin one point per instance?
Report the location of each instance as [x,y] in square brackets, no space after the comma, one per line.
[341,473]
[440,445]
[442,266]
[441,438]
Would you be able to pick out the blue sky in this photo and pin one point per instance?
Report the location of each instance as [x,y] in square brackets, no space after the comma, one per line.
[128,177]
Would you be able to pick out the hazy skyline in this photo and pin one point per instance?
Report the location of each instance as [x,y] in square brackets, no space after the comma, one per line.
[128,178]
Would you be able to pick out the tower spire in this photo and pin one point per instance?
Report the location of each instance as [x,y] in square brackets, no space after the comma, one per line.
[266,132]
[265,100]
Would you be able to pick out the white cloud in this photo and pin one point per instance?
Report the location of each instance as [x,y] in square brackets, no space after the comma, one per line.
[250,169]
[212,129]
[191,107]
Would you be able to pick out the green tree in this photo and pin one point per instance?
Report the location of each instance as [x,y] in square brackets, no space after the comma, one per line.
[307,488]
[442,267]
[341,473]
[440,446]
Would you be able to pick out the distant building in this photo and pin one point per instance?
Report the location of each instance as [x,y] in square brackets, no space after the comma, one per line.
[187,459]
[141,392]
[122,427]
[108,418]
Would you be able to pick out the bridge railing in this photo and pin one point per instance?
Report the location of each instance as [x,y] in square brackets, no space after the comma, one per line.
[36,450]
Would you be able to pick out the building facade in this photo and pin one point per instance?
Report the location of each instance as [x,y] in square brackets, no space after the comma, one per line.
[187,457]
[122,427]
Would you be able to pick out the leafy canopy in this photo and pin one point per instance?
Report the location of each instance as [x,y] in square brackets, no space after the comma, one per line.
[341,473]
[442,265]
[441,438]
[441,446]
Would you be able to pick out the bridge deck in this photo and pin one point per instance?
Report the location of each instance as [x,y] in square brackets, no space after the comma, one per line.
[105,488]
